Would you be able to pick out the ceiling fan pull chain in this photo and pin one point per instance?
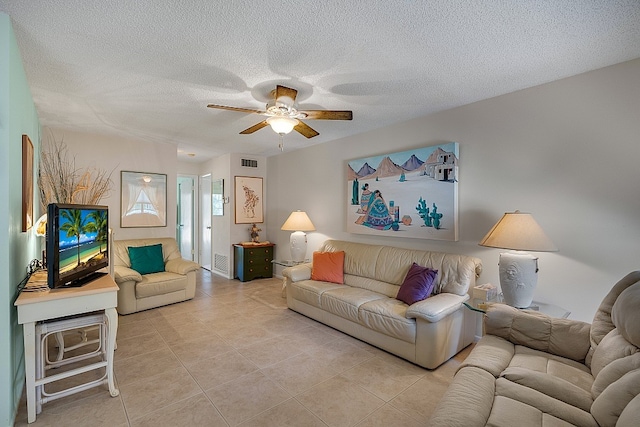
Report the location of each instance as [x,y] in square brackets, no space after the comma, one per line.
[281,144]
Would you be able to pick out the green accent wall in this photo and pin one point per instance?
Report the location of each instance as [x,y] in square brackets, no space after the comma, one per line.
[18,116]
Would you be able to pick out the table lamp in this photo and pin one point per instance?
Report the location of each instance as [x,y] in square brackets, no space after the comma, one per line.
[519,232]
[298,222]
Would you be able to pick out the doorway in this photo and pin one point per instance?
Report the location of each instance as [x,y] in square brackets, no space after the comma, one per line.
[186,218]
[205,221]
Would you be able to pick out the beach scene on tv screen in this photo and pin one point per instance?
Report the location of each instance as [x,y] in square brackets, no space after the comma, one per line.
[82,240]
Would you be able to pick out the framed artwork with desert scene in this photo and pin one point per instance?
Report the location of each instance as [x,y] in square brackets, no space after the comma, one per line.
[412,193]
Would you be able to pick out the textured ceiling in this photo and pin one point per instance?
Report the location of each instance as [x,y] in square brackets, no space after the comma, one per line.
[146,69]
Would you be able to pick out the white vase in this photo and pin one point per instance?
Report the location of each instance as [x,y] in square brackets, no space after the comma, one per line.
[518,278]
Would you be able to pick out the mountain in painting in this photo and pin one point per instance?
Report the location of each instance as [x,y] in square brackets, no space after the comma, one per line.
[412,164]
[365,170]
[387,168]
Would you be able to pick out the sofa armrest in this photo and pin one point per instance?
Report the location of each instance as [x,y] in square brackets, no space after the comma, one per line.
[298,272]
[124,274]
[467,401]
[562,337]
[181,266]
[436,307]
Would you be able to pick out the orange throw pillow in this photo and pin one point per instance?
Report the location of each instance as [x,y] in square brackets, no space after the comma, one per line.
[328,267]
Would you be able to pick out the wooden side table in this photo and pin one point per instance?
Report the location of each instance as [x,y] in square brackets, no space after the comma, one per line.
[98,295]
[253,261]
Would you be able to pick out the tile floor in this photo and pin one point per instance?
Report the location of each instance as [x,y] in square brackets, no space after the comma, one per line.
[236,356]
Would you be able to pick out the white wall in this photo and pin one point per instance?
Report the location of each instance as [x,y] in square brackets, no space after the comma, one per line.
[119,154]
[567,152]
[225,232]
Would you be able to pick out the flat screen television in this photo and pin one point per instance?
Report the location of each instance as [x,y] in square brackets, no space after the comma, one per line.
[77,243]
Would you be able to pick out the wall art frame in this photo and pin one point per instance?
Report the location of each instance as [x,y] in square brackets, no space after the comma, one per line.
[409,194]
[248,200]
[27,183]
[143,199]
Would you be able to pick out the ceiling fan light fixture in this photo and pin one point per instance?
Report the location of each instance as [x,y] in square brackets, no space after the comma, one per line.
[282,125]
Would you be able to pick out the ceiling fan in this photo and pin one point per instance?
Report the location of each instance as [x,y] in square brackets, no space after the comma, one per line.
[283,116]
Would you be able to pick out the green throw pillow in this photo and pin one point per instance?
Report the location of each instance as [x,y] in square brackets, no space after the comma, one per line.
[146,259]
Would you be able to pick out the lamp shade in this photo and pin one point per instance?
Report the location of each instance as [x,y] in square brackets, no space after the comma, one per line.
[518,231]
[282,125]
[298,221]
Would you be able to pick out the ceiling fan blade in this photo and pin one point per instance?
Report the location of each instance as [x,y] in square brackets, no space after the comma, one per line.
[255,127]
[328,115]
[284,94]
[305,130]
[241,110]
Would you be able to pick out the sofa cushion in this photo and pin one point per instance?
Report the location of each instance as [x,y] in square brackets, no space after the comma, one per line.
[507,412]
[544,403]
[626,316]
[613,346]
[612,401]
[566,369]
[491,354]
[328,267]
[160,283]
[146,259]
[387,289]
[417,284]
[345,301]
[631,413]
[388,316]
[310,291]
[550,385]
[613,372]
[564,337]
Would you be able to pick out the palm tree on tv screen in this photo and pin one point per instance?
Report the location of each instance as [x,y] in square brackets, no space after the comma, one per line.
[74,225]
[98,224]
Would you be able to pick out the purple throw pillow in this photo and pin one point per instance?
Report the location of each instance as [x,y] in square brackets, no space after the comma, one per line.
[417,285]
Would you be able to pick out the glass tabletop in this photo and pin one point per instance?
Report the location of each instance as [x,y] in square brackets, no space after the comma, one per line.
[545,308]
[287,263]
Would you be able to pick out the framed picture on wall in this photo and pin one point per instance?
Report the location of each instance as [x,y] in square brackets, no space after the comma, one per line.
[27,183]
[249,199]
[143,199]
[411,193]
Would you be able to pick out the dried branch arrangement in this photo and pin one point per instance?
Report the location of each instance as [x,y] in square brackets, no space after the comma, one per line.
[60,181]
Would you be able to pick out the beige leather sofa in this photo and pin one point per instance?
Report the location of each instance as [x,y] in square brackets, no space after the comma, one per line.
[427,333]
[532,370]
[142,292]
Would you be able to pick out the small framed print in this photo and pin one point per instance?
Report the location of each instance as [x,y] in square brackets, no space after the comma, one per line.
[249,200]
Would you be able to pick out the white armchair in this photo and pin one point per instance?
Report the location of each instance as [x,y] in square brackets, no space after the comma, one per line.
[144,291]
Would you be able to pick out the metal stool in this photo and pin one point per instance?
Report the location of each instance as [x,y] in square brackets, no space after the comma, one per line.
[58,327]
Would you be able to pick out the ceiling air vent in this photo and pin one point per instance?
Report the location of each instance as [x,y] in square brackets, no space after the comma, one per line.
[249,163]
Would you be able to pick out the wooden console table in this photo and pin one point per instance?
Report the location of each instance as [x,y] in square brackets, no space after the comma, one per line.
[33,307]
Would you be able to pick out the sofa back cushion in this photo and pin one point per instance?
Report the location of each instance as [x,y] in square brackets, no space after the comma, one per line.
[612,347]
[613,372]
[608,407]
[602,322]
[120,251]
[385,267]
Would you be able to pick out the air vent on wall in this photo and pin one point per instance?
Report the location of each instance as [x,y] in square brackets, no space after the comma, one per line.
[249,163]
[221,263]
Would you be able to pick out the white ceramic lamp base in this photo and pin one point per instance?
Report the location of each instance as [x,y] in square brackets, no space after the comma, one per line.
[518,278]
[298,242]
